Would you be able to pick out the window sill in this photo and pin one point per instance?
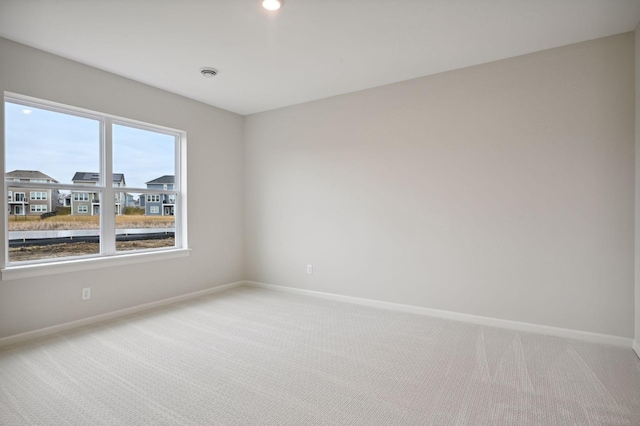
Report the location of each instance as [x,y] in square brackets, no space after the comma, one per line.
[75,265]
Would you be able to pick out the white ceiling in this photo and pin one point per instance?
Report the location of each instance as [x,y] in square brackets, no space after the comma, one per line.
[308,50]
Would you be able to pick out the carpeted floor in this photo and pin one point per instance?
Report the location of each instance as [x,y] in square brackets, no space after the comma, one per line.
[256,357]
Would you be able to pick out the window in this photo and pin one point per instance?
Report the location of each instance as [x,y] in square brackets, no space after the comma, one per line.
[154,209]
[153,198]
[88,157]
[38,195]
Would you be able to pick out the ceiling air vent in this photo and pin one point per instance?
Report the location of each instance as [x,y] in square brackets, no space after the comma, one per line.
[209,72]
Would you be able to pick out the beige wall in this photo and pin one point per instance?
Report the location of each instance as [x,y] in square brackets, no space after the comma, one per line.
[637,215]
[215,194]
[504,190]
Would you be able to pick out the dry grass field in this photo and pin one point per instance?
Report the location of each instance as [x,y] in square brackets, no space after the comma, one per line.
[68,222]
[34,223]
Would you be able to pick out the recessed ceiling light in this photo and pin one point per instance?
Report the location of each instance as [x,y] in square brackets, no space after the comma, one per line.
[26,111]
[272,4]
[208,72]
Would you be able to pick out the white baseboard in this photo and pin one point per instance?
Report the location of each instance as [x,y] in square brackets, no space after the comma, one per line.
[474,319]
[17,338]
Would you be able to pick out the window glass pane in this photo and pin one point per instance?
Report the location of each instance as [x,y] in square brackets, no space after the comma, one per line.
[44,146]
[146,224]
[143,156]
[40,230]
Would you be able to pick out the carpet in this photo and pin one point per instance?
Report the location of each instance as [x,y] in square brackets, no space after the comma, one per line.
[251,356]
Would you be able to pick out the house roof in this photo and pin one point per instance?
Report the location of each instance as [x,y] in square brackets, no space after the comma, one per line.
[163,179]
[29,174]
[94,177]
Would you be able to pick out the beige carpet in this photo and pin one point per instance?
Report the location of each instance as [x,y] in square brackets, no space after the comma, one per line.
[257,357]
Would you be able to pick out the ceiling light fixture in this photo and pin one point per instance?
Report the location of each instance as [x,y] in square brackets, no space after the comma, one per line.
[208,72]
[272,4]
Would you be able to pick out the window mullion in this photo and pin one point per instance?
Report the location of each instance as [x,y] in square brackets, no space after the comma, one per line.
[107,203]
[181,197]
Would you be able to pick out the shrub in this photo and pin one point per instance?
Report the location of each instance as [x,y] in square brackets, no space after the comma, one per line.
[133,211]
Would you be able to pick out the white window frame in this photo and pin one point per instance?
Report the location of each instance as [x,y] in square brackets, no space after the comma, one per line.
[153,198]
[77,198]
[154,209]
[38,208]
[108,255]
[82,209]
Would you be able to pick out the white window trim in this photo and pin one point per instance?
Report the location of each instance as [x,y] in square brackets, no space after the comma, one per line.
[108,257]
[85,264]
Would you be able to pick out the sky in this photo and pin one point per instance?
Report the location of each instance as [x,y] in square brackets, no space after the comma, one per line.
[59,145]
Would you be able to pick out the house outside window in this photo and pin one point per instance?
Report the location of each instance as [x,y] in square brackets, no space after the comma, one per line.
[92,200]
[18,199]
[161,204]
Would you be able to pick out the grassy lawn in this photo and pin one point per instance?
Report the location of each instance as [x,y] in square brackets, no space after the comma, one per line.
[34,223]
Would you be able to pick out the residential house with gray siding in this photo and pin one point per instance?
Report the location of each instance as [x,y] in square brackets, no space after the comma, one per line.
[87,202]
[160,204]
[30,201]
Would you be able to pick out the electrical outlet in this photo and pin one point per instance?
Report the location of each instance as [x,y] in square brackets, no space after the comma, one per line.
[86,293]
[309,269]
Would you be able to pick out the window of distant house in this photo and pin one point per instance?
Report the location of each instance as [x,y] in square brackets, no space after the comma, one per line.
[37,195]
[69,162]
